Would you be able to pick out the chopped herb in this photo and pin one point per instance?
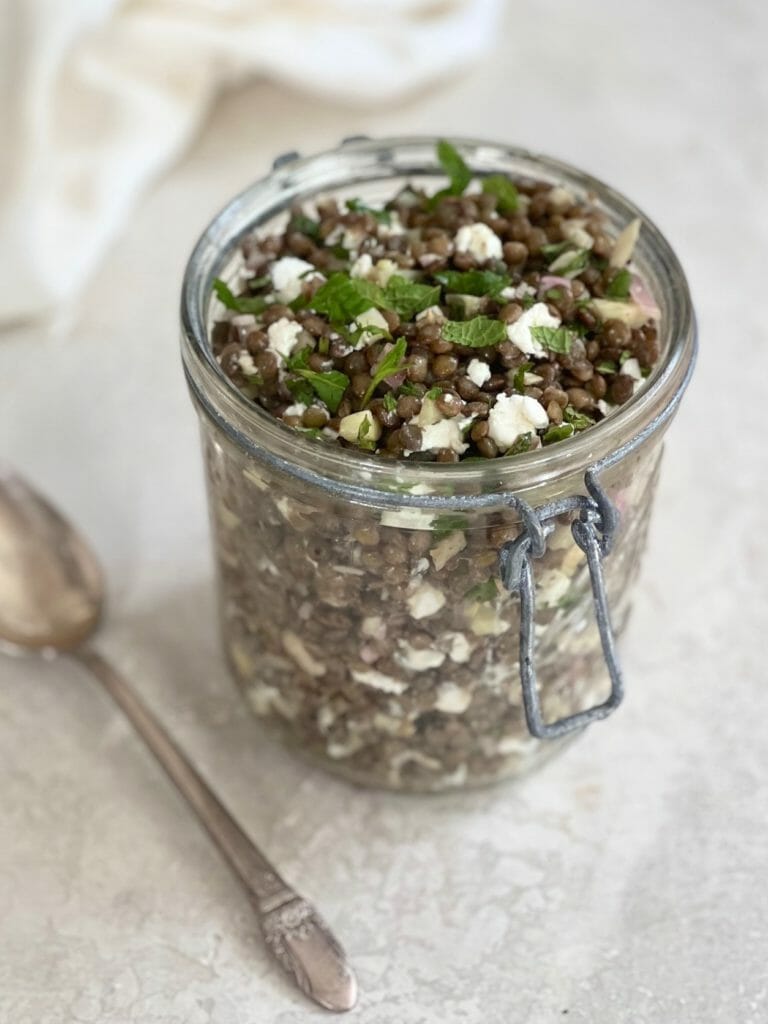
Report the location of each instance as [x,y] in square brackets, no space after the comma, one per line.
[558,433]
[473,282]
[454,166]
[261,282]
[527,301]
[390,402]
[506,194]
[449,522]
[619,286]
[362,434]
[313,432]
[645,371]
[300,360]
[583,303]
[434,393]
[570,263]
[625,355]
[300,389]
[342,298]
[304,225]
[552,249]
[522,444]
[239,303]
[300,302]
[407,298]
[553,294]
[486,591]
[409,388]
[323,346]
[556,339]
[578,420]
[389,365]
[475,333]
[518,381]
[457,170]
[606,366]
[329,387]
[339,252]
[358,206]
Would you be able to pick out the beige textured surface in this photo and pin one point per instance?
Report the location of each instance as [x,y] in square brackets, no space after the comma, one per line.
[626,882]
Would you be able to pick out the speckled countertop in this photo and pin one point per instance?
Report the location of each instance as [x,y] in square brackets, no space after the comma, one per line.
[624,884]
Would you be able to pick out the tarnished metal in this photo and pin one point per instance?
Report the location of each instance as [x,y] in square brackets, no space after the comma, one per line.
[594,532]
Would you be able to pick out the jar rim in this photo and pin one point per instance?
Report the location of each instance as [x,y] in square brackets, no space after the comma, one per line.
[417,484]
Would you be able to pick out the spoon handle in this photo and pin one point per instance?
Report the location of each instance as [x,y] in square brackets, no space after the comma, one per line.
[293,930]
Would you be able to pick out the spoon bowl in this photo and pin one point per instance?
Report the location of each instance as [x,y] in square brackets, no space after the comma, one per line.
[51,586]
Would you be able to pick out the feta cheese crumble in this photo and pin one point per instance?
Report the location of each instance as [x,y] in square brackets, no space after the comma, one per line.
[288,274]
[479,242]
[515,415]
[445,434]
[519,333]
[282,336]
[478,372]
[425,600]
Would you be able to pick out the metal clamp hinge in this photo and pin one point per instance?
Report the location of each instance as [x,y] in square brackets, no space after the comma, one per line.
[594,532]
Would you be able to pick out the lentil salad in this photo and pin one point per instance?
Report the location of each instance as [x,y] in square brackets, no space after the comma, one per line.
[474,323]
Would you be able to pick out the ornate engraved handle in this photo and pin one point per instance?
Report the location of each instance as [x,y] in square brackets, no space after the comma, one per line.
[294,931]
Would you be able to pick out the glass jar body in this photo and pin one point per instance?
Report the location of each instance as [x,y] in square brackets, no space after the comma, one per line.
[364,622]
[381,643]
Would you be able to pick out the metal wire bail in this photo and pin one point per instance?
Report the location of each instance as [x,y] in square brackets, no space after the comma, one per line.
[594,531]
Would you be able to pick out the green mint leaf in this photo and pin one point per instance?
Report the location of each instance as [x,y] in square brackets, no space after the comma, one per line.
[408,388]
[329,387]
[299,361]
[506,194]
[556,339]
[300,389]
[518,381]
[323,346]
[313,432]
[342,298]
[454,166]
[358,206]
[475,333]
[239,303]
[364,429]
[619,286]
[553,294]
[482,591]
[390,402]
[449,522]
[558,433]
[624,356]
[552,249]
[434,393]
[259,282]
[407,298]
[304,225]
[473,282]
[606,366]
[578,420]
[522,444]
[389,365]
[570,263]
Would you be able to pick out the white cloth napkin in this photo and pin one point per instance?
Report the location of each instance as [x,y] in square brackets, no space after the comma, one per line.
[97,96]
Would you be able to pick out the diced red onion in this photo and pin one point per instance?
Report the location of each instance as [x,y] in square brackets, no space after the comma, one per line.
[553,281]
[396,380]
[640,295]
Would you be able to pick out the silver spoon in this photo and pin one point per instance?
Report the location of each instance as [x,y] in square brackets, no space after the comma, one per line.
[51,596]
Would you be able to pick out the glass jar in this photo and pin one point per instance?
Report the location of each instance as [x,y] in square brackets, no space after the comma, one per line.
[377,612]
